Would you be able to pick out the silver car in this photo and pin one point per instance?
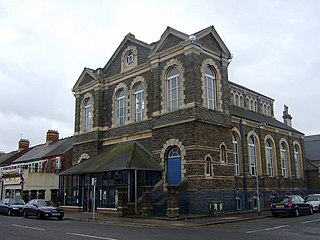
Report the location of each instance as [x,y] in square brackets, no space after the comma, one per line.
[314,200]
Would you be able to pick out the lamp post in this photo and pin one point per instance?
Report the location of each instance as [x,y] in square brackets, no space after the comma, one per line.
[257,176]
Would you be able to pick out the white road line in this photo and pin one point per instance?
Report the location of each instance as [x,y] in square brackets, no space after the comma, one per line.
[27,227]
[267,229]
[90,236]
[311,221]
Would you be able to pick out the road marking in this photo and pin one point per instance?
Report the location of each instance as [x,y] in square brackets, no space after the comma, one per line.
[90,236]
[27,227]
[311,221]
[267,229]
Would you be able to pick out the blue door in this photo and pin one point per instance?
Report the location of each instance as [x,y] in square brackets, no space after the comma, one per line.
[174,170]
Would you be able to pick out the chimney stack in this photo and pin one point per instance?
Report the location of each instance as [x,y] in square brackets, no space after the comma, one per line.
[23,144]
[287,119]
[52,136]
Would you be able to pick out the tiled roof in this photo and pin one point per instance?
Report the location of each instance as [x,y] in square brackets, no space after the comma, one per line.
[312,147]
[130,155]
[260,118]
[40,151]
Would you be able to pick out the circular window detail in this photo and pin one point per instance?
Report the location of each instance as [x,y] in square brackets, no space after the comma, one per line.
[130,58]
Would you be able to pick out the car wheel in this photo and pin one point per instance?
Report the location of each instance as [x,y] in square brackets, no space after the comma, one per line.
[296,212]
[25,214]
[311,210]
[9,212]
[39,215]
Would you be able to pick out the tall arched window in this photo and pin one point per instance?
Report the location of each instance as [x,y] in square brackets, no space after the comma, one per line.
[210,81]
[241,101]
[139,102]
[87,115]
[252,156]
[297,161]
[269,158]
[235,155]
[284,160]
[208,166]
[121,107]
[173,88]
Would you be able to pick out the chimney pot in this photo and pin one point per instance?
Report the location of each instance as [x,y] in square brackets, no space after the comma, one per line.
[52,136]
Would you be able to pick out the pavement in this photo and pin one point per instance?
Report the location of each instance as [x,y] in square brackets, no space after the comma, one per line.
[166,222]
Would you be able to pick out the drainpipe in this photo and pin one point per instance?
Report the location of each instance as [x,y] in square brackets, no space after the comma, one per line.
[244,179]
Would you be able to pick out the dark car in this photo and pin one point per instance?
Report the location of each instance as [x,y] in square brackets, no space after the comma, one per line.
[292,204]
[12,206]
[42,209]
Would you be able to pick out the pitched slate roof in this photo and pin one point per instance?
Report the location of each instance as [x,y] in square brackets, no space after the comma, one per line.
[43,150]
[129,155]
[10,157]
[260,118]
[312,147]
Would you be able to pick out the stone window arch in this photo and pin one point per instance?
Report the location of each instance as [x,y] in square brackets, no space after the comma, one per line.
[138,98]
[86,112]
[172,86]
[119,105]
[210,64]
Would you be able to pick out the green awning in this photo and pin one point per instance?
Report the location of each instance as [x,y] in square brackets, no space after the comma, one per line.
[130,155]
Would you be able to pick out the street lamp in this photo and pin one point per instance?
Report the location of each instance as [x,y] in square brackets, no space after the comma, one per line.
[257,177]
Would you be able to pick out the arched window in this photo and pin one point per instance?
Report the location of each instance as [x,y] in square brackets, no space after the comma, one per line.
[223,154]
[121,107]
[208,166]
[252,156]
[139,102]
[269,158]
[251,105]
[235,155]
[210,82]
[241,101]
[236,97]
[173,88]
[284,160]
[231,98]
[297,161]
[87,115]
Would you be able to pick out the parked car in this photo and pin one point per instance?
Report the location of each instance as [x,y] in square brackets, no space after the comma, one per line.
[292,204]
[314,200]
[42,209]
[12,206]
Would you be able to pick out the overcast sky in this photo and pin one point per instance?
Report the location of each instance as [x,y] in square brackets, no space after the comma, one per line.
[44,46]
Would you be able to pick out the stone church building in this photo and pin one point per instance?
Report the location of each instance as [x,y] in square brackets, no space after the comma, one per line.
[160,130]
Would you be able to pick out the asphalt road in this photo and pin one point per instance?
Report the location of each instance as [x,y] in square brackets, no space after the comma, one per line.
[303,227]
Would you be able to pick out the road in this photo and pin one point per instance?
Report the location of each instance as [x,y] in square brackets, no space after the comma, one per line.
[303,227]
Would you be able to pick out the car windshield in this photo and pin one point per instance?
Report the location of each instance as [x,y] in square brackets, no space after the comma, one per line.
[312,198]
[17,201]
[281,200]
[44,203]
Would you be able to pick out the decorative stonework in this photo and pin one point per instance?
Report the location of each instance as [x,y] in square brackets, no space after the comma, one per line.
[218,80]
[134,83]
[129,58]
[170,143]
[164,85]
[82,112]
[83,156]
[114,104]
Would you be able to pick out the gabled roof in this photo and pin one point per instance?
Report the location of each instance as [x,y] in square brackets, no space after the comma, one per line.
[8,158]
[165,35]
[260,118]
[87,76]
[211,30]
[41,151]
[312,147]
[310,166]
[128,38]
[129,155]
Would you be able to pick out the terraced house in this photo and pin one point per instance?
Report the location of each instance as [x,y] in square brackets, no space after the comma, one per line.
[160,129]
